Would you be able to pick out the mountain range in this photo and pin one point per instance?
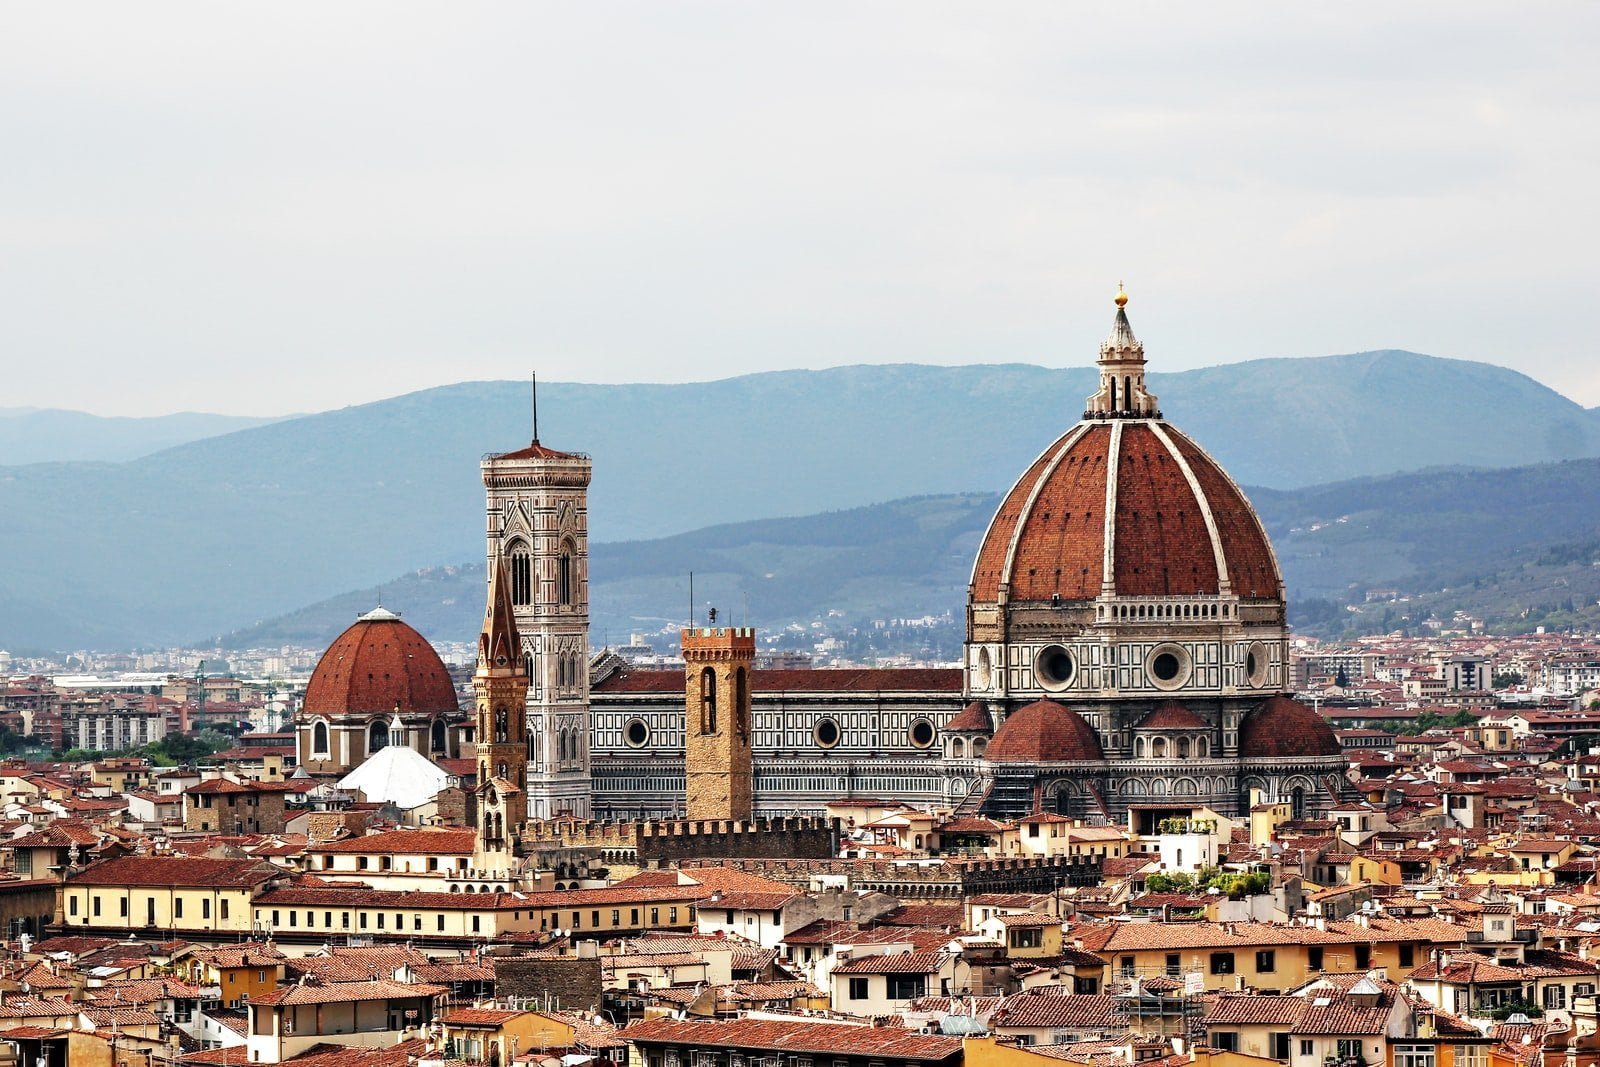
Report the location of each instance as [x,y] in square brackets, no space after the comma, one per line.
[44,435]
[214,535]
[1518,547]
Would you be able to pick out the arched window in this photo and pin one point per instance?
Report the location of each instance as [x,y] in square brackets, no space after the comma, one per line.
[708,701]
[319,739]
[1127,392]
[377,736]
[521,574]
[1183,748]
[958,748]
[741,702]
[1158,748]
[1138,748]
[561,747]
[527,664]
[1202,747]
[564,576]
[436,739]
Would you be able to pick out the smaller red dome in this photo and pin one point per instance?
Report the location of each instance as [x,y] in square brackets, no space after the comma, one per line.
[1281,727]
[1173,716]
[1042,732]
[379,664]
[974,719]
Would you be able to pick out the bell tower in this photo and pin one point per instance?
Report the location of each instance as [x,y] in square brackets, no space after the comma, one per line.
[537,506]
[500,687]
[717,729]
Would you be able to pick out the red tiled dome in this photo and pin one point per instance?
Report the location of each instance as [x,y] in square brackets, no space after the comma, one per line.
[379,664]
[1049,535]
[1173,716]
[1285,727]
[974,719]
[1044,731]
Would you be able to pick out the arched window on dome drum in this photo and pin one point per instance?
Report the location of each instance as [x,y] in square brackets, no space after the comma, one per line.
[436,739]
[564,573]
[521,575]
[708,701]
[741,702]
[319,739]
[377,736]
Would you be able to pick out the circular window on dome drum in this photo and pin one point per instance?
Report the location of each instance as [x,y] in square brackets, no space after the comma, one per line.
[1255,665]
[1054,667]
[826,733]
[636,733]
[922,734]
[1168,666]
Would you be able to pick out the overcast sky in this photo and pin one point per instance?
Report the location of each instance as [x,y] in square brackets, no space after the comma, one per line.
[288,207]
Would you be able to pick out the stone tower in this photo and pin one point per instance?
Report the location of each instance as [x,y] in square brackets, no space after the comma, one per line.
[500,685]
[716,729]
[538,523]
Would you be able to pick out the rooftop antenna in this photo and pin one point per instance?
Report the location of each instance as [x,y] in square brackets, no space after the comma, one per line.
[535,378]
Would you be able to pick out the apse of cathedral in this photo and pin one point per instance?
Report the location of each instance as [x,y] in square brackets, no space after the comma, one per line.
[1126,648]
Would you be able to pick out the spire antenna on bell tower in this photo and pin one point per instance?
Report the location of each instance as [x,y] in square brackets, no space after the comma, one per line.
[534,375]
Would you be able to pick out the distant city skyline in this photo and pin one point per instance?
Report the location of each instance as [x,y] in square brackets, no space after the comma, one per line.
[264,211]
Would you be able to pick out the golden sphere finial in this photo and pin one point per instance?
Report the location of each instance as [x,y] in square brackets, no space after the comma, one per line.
[1122,296]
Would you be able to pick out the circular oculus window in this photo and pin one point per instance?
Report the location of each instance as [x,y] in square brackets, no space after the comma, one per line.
[1168,666]
[636,733]
[1055,668]
[826,733]
[1255,665]
[922,734]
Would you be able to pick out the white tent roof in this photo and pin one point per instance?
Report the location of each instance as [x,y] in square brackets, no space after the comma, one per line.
[398,775]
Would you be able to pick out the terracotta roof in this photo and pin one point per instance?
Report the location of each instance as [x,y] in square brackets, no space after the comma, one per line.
[345,992]
[796,1036]
[492,1017]
[891,963]
[1281,727]
[1173,716]
[826,680]
[1048,536]
[176,871]
[1044,731]
[1067,1011]
[534,450]
[404,842]
[974,719]
[377,666]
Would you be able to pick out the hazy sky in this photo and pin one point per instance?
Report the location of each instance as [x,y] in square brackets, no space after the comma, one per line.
[278,207]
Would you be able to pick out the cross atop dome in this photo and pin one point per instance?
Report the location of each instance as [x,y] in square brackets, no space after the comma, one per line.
[1122,393]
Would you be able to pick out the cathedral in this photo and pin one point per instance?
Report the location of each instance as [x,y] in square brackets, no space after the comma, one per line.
[1126,647]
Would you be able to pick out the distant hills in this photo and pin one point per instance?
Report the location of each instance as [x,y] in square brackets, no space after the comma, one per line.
[212,536]
[34,435]
[1519,547]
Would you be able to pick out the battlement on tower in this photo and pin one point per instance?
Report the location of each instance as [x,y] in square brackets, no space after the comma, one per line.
[668,842]
[717,642]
